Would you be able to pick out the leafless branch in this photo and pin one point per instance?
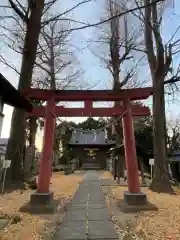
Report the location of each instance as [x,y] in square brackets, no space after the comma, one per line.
[116,16]
[57,17]
[18,10]
[8,64]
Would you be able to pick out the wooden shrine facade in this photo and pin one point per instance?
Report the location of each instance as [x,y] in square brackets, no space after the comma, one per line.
[90,148]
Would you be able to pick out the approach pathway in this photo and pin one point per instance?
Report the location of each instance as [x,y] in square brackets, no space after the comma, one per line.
[87,217]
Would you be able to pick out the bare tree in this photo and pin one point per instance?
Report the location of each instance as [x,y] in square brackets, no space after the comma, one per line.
[55,67]
[55,64]
[160,60]
[159,57]
[121,45]
[122,53]
[30,13]
[56,58]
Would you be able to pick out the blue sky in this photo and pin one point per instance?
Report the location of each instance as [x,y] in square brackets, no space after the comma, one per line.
[94,72]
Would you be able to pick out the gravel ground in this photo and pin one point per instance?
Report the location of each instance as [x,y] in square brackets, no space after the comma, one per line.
[162,224]
[30,226]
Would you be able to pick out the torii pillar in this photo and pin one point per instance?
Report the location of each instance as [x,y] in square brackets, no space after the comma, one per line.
[133,196]
[43,194]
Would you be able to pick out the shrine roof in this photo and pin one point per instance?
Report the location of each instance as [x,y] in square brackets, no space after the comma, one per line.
[96,138]
[121,146]
[11,96]
[139,148]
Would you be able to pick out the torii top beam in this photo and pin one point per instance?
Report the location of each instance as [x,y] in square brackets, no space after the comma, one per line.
[85,95]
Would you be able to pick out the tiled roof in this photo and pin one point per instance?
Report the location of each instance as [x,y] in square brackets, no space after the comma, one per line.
[89,138]
[11,96]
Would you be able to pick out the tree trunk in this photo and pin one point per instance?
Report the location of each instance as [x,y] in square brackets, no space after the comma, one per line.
[119,137]
[142,170]
[121,164]
[33,130]
[16,142]
[15,148]
[165,132]
[161,180]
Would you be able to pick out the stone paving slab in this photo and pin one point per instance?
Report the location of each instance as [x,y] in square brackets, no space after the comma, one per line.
[101,230]
[97,206]
[98,215]
[75,215]
[91,215]
[90,200]
[71,231]
[90,206]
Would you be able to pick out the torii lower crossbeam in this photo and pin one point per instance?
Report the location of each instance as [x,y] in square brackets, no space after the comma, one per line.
[89,112]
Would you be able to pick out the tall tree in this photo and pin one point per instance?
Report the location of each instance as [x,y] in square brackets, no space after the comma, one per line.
[56,64]
[120,48]
[159,59]
[31,16]
[123,43]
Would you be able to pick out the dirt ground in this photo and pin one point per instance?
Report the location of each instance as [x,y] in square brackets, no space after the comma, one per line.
[30,226]
[150,225]
[106,175]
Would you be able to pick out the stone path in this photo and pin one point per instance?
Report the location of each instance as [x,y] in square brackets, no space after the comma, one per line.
[87,217]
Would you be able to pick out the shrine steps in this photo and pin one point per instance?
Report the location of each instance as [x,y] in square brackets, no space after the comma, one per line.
[91,166]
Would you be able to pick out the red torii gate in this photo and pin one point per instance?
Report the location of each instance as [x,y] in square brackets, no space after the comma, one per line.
[51,111]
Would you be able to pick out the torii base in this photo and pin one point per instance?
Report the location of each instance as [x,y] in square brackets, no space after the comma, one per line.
[136,202]
[40,203]
[41,198]
[135,198]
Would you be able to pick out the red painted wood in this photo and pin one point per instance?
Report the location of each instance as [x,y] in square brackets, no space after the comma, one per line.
[88,111]
[47,150]
[88,97]
[88,104]
[130,150]
[93,95]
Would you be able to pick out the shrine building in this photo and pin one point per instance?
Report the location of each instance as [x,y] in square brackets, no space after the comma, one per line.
[91,148]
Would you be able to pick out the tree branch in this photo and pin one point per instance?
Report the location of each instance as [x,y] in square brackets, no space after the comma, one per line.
[55,18]
[149,38]
[113,17]
[18,11]
[172,80]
